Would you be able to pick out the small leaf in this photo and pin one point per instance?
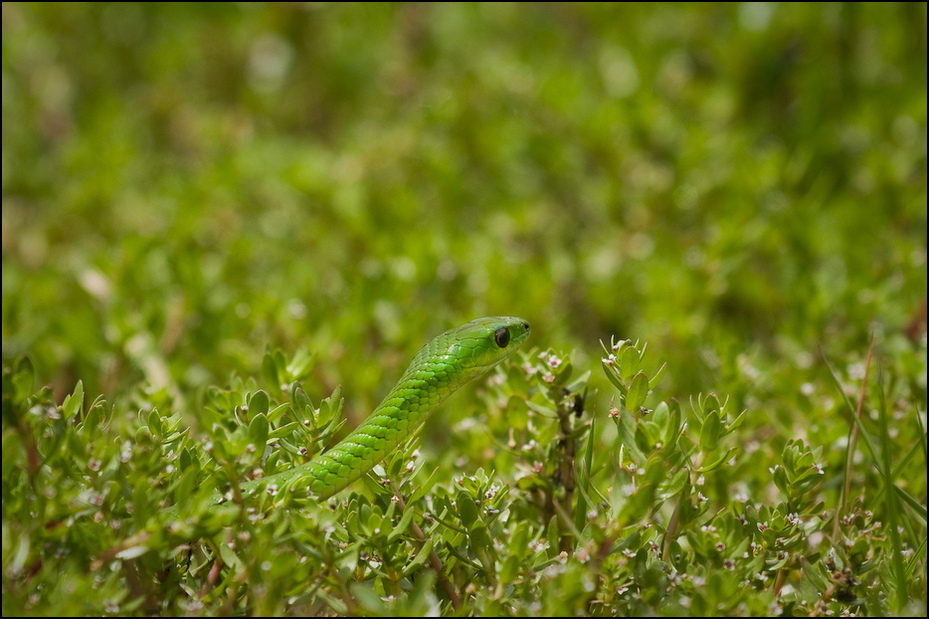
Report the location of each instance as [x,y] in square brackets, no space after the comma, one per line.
[230,558]
[674,428]
[186,459]
[93,418]
[299,398]
[709,433]
[301,364]
[563,373]
[510,569]
[718,462]
[736,422]
[420,559]
[154,422]
[780,480]
[613,374]
[185,488]
[674,485]
[73,403]
[401,527]
[629,362]
[285,430]
[259,403]
[480,539]
[278,412]
[660,416]
[23,378]
[811,573]
[651,430]
[258,431]
[140,502]
[626,429]
[654,380]
[638,391]
[423,489]
[466,509]
[710,404]
[642,440]
[330,409]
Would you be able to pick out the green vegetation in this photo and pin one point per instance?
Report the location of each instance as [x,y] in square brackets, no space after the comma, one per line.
[228,227]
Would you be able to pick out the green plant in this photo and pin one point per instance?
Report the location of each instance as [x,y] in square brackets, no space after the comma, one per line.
[638,508]
[186,187]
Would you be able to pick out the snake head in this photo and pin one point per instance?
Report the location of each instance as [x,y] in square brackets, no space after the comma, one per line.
[460,355]
[484,342]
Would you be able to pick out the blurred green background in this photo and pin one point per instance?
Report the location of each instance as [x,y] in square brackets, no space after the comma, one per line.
[184,185]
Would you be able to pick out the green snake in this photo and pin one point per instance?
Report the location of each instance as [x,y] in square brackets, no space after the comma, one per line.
[442,366]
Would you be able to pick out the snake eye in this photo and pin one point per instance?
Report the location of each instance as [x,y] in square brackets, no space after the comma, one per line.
[502,337]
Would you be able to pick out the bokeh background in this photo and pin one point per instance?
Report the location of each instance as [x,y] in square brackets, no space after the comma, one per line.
[186,185]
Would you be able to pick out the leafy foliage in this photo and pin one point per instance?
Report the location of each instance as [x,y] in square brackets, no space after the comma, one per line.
[632,511]
[220,218]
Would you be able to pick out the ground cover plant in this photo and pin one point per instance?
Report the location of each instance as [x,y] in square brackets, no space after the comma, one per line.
[227,228]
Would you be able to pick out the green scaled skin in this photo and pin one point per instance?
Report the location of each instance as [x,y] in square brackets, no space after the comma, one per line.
[442,366]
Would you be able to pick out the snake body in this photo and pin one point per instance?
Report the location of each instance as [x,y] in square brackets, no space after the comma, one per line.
[447,362]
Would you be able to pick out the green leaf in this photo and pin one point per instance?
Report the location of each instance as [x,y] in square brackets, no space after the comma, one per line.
[563,373]
[73,404]
[258,403]
[627,435]
[467,511]
[401,527]
[416,564]
[481,542]
[718,462]
[638,391]
[781,480]
[613,374]
[230,558]
[660,416]
[93,417]
[299,399]
[510,569]
[154,423]
[674,427]
[812,574]
[258,431]
[23,379]
[654,380]
[711,404]
[423,489]
[674,485]
[330,409]
[736,422]
[140,502]
[301,364]
[278,411]
[583,480]
[285,430]
[184,489]
[709,433]
[629,362]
